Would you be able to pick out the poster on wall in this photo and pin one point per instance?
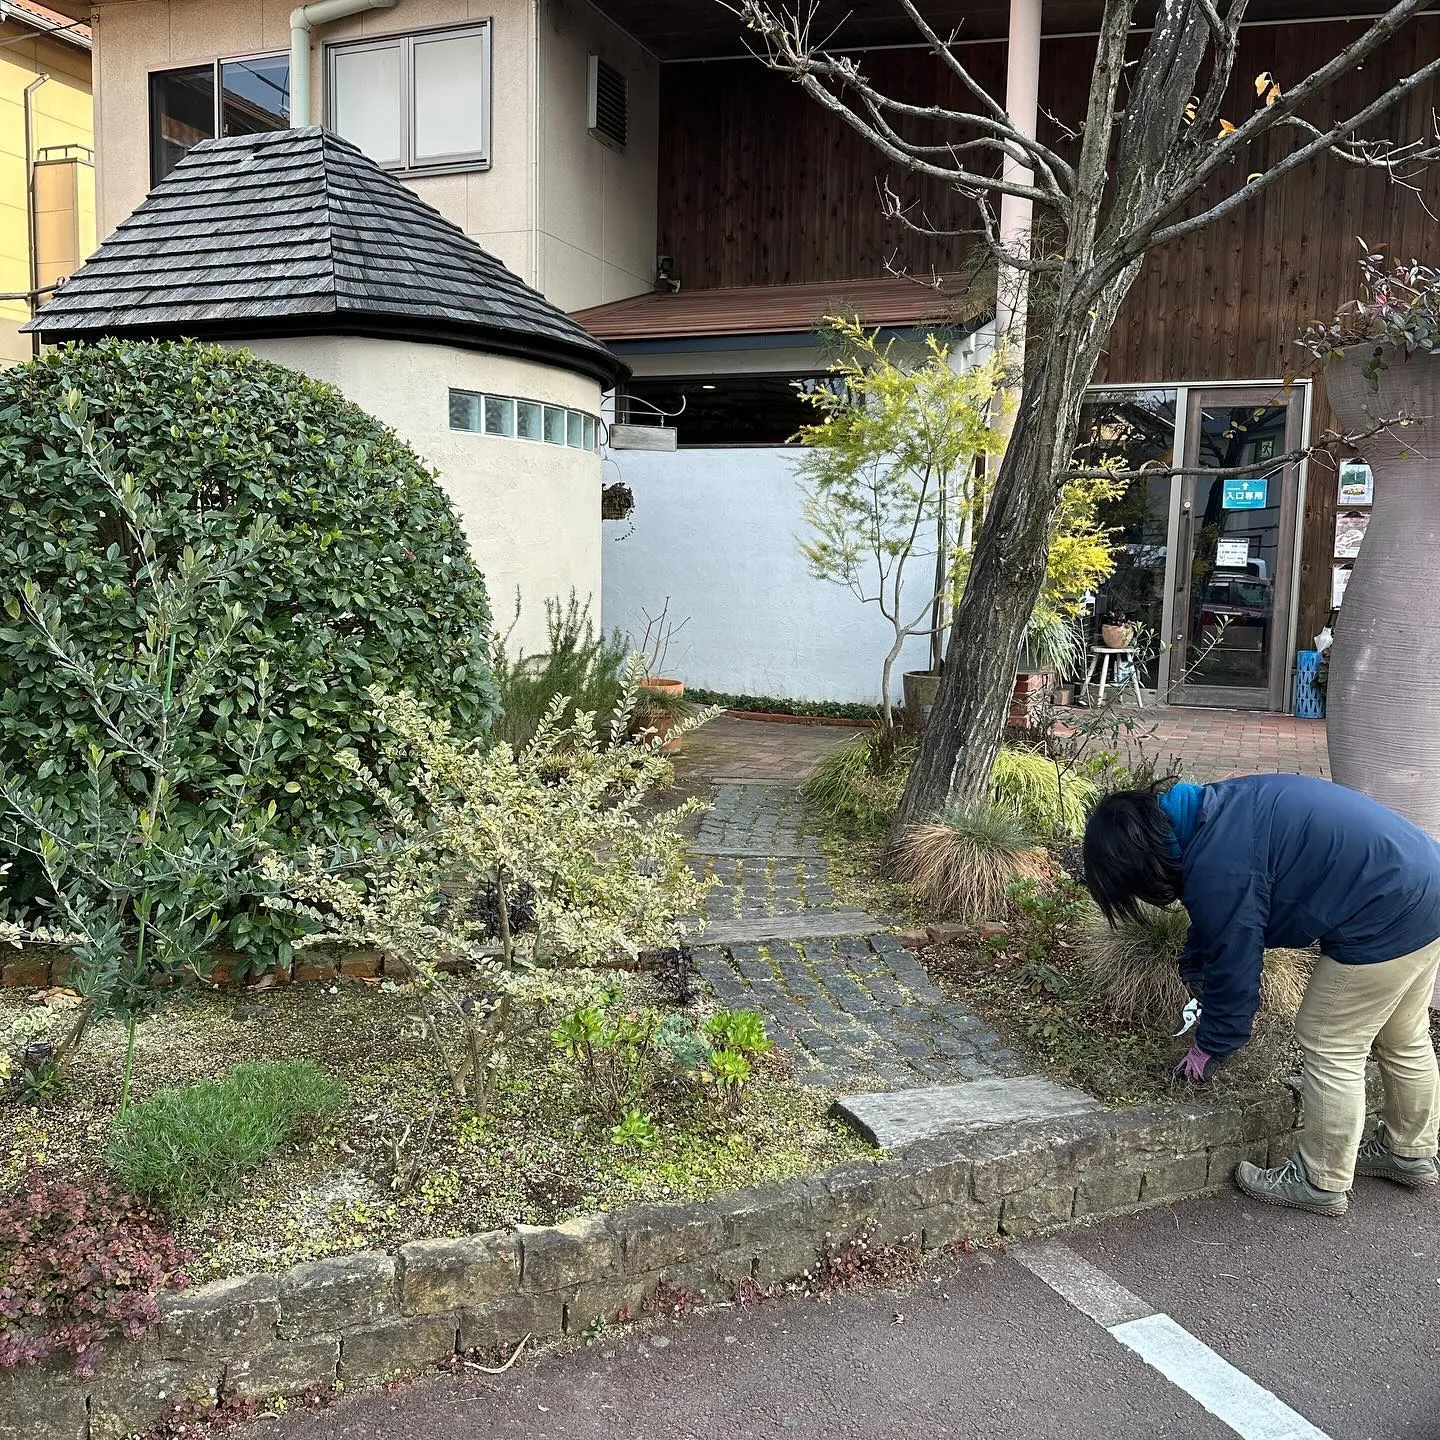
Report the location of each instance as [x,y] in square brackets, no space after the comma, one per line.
[1339,579]
[1357,484]
[1349,532]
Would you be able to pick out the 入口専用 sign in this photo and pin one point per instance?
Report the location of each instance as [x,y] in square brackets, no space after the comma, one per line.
[1244,494]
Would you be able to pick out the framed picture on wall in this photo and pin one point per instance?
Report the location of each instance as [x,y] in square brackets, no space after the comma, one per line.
[1350,528]
[1339,579]
[1357,484]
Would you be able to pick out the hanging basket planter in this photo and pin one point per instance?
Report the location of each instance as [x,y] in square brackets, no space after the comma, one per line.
[616,501]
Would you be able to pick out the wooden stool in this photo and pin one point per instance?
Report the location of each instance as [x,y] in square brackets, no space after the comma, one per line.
[1101,656]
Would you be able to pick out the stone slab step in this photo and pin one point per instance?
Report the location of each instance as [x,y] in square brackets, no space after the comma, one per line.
[893,1119]
[806,925]
[775,852]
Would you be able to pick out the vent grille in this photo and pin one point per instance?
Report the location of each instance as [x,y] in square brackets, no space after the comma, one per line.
[609,117]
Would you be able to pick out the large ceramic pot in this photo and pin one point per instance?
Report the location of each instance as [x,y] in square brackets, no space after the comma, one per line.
[920,688]
[1383,701]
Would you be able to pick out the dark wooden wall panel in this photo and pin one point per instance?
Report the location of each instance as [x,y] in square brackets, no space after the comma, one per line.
[760,185]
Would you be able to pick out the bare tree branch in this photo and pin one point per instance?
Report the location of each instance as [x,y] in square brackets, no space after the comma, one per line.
[1226,35]
[1230,147]
[944,49]
[1325,445]
[1323,142]
[788,49]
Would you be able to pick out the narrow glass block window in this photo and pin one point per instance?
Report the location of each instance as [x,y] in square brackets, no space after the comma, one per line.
[590,432]
[464,410]
[575,430]
[499,415]
[527,420]
[554,425]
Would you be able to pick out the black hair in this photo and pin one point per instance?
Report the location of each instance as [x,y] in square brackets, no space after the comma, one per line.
[1131,857]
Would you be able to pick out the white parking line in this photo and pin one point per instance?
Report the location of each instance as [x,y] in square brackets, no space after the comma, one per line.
[1230,1395]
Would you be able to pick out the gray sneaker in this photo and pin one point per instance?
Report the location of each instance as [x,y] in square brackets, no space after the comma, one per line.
[1289,1185]
[1376,1158]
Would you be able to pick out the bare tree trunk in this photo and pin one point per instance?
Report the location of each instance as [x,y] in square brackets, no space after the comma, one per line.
[1007,571]
[886,710]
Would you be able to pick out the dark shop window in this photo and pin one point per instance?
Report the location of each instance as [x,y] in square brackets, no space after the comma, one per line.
[723,409]
[224,97]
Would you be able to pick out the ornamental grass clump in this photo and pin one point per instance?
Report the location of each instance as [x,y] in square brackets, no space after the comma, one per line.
[187,1147]
[1133,970]
[1046,798]
[965,861]
[858,784]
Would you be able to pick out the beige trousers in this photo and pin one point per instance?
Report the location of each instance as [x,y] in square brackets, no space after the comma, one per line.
[1347,1010]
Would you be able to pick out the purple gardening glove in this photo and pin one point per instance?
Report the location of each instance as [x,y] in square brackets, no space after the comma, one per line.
[1196,1066]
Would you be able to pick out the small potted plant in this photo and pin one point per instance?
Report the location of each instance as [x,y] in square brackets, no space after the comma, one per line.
[662,702]
[1117,630]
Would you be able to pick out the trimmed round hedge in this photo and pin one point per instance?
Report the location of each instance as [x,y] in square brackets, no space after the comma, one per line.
[368,579]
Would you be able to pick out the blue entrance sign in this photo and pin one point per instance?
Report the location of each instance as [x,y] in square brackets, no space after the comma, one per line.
[1244,494]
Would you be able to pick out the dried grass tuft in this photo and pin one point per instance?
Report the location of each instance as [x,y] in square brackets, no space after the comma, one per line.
[963,862]
[1134,975]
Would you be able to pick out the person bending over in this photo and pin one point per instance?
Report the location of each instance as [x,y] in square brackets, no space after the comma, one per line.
[1285,861]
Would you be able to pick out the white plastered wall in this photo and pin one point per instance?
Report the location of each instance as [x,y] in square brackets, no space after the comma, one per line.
[597,218]
[531,511]
[716,532]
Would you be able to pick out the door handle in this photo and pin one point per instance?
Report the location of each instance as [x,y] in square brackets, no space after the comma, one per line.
[1184,558]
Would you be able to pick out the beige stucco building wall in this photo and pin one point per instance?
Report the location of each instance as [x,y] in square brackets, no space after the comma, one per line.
[531,510]
[597,206]
[563,211]
[65,191]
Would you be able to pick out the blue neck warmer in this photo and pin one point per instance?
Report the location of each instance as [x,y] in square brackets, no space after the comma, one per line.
[1181,804]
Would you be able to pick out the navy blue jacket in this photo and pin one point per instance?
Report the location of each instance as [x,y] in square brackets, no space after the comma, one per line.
[1281,861]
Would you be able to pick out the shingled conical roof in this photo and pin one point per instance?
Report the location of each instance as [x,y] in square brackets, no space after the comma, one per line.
[296,232]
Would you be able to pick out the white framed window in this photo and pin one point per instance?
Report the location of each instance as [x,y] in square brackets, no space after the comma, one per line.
[532,420]
[416,102]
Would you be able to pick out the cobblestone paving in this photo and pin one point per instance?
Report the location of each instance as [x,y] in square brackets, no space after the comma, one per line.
[756,819]
[857,1014]
[751,886]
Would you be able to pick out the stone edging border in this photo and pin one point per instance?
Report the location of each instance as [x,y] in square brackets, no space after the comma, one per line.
[775,717]
[370,1316]
[37,967]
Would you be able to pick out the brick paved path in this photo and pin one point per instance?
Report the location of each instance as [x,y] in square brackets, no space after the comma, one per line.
[854,1009]
[1215,744]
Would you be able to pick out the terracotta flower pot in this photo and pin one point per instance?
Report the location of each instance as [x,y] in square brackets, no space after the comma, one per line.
[1384,687]
[660,721]
[1117,637]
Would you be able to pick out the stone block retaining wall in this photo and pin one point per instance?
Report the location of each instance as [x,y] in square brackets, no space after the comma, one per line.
[364,1317]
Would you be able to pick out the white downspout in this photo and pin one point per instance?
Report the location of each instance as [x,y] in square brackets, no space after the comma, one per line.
[302,19]
[535,83]
[1022,103]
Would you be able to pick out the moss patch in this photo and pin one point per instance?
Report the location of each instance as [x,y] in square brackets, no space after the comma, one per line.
[537,1157]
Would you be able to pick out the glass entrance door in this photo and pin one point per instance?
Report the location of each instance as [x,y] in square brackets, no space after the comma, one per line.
[1236,543]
